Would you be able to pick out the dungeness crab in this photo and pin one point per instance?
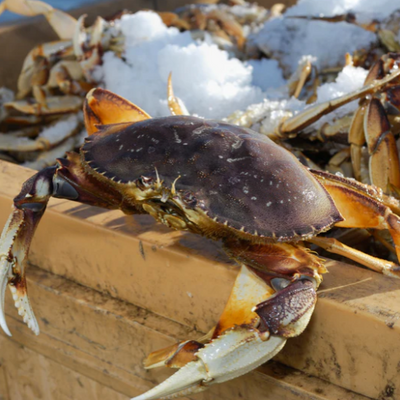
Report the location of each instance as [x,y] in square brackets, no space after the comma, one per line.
[221,181]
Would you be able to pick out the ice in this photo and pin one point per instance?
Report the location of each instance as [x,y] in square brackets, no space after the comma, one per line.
[349,79]
[266,116]
[266,74]
[378,9]
[288,39]
[210,82]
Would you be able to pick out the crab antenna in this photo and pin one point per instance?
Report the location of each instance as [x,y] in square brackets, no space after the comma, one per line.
[158,183]
[175,104]
[173,190]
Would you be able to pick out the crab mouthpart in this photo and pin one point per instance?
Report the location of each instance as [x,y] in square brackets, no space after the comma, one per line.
[234,353]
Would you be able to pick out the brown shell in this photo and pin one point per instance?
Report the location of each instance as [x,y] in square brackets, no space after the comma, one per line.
[234,174]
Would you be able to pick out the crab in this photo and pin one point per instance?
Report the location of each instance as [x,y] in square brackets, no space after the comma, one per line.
[226,183]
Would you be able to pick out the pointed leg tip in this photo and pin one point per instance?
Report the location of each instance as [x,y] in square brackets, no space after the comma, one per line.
[4,326]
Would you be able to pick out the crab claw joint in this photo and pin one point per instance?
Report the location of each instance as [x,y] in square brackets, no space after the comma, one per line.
[236,352]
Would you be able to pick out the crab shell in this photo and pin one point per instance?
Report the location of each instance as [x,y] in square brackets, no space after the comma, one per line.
[210,178]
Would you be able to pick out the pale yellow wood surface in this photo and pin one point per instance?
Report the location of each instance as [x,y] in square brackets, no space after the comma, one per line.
[91,347]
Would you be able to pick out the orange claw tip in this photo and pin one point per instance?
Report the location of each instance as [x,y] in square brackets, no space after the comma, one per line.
[104,107]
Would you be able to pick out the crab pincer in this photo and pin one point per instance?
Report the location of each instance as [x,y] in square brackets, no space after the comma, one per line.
[15,240]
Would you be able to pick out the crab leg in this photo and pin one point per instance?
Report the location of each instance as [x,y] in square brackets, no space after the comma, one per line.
[61,22]
[61,48]
[384,159]
[49,138]
[250,330]
[302,120]
[376,264]
[54,105]
[357,140]
[69,181]
[15,241]
[362,206]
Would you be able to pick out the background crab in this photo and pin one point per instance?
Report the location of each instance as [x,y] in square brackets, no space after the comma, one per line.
[217,180]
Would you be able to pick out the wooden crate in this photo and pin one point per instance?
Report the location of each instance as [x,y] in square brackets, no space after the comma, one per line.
[108,289]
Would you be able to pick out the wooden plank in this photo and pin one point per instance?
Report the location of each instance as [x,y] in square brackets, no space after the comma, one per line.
[93,345]
[352,341]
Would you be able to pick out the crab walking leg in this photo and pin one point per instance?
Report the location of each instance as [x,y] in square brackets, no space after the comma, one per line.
[384,160]
[15,241]
[250,330]
[61,22]
[356,139]
[376,264]
[306,118]
[363,206]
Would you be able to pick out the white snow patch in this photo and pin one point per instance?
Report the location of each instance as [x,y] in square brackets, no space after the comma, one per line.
[349,79]
[266,74]
[378,9]
[288,40]
[208,81]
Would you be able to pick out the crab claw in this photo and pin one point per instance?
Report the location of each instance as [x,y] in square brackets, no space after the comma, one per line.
[15,241]
[12,271]
[240,348]
[234,353]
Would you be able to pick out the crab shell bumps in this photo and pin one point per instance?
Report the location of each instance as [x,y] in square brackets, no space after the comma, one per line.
[217,180]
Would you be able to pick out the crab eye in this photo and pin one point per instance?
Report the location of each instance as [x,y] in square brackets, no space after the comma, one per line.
[144,182]
[63,189]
